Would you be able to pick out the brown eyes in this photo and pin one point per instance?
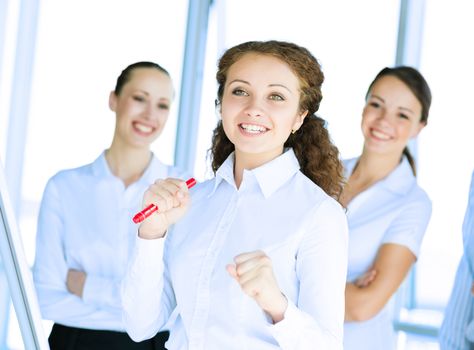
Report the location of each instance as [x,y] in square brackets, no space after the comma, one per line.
[374,104]
[139,98]
[276,97]
[239,92]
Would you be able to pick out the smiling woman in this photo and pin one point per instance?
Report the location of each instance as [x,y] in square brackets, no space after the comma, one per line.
[258,114]
[141,104]
[85,232]
[245,261]
[387,211]
[391,117]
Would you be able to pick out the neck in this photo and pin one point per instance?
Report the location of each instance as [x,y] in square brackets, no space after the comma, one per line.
[127,163]
[370,169]
[373,167]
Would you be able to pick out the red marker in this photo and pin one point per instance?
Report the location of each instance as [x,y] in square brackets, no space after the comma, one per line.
[146,212]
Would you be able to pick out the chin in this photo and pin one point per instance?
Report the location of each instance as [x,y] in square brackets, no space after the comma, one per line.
[376,147]
[140,143]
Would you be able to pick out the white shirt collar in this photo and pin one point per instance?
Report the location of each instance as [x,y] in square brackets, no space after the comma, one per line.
[269,177]
[400,180]
[155,169]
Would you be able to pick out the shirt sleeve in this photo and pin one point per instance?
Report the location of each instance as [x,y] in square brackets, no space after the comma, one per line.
[316,319]
[459,311]
[147,296]
[50,267]
[409,227]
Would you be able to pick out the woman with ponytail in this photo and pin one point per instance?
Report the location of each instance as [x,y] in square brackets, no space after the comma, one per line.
[85,236]
[256,257]
[387,211]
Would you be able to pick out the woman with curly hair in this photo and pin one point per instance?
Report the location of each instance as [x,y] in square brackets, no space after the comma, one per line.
[258,259]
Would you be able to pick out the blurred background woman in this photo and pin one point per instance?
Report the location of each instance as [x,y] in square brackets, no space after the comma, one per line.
[387,211]
[85,231]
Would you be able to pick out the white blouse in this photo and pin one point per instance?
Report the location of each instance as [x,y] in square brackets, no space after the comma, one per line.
[393,210]
[276,209]
[85,223]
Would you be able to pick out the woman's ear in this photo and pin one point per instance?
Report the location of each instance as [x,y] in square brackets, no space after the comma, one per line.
[420,127]
[113,101]
[299,121]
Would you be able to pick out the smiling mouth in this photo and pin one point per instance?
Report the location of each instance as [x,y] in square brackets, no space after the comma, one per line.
[379,135]
[253,129]
[143,129]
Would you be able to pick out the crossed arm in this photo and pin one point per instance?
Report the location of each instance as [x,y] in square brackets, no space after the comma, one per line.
[369,294]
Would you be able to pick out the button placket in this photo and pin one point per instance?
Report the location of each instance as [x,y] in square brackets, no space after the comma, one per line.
[196,339]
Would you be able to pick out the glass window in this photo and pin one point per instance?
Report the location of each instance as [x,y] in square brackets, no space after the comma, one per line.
[8,27]
[445,147]
[9,328]
[14,339]
[16,282]
[81,48]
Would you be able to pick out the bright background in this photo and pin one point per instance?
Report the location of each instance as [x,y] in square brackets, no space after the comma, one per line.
[82,45]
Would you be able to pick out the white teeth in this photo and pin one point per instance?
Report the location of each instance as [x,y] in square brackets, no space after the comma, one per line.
[255,129]
[143,128]
[380,135]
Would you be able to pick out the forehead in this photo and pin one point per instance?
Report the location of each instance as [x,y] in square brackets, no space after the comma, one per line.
[392,89]
[148,77]
[263,68]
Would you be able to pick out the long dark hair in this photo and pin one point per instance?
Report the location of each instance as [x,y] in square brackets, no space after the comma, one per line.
[317,156]
[417,84]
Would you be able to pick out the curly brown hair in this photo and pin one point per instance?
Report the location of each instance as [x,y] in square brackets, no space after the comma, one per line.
[317,155]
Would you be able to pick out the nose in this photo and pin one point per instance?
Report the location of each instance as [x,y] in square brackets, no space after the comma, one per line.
[150,112]
[385,116]
[254,109]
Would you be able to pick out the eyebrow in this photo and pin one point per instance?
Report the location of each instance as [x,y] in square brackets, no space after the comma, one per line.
[377,97]
[270,85]
[142,91]
[406,109]
[401,108]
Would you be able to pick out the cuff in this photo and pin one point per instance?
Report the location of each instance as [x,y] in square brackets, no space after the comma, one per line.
[289,325]
[147,259]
